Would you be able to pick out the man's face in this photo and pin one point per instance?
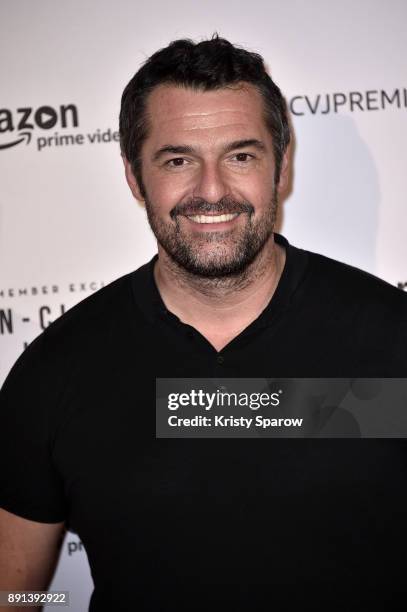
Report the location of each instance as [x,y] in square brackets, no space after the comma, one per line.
[208,177]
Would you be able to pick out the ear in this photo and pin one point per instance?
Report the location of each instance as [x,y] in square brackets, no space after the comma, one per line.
[131,180]
[284,171]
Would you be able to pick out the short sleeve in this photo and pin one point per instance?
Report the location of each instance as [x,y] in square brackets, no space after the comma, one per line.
[30,485]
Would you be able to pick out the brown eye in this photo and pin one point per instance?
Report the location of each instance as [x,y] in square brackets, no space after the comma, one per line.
[178,161]
[243,157]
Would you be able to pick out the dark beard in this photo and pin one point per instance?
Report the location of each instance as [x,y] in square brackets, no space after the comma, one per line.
[225,260]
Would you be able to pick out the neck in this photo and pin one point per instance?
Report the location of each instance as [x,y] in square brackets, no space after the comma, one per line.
[231,302]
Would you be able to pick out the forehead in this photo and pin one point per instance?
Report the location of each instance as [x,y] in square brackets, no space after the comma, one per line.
[180,112]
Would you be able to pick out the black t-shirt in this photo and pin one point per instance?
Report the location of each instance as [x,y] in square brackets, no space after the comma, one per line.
[220,524]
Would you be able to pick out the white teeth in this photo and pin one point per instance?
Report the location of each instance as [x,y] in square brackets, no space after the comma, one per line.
[212,218]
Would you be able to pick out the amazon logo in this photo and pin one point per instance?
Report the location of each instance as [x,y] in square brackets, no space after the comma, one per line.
[16,127]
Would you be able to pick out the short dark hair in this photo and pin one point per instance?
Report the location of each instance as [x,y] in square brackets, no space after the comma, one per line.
[204,66]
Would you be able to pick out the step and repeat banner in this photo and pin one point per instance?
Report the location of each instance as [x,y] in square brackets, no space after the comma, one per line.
[68,223]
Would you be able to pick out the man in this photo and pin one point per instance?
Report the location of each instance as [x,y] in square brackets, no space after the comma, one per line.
[197,524]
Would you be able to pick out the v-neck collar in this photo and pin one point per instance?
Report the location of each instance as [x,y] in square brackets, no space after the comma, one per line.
[149,300]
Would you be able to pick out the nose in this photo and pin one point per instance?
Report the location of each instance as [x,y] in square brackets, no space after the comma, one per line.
[210,183]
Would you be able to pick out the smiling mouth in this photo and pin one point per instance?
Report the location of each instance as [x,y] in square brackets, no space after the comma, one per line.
[213,218]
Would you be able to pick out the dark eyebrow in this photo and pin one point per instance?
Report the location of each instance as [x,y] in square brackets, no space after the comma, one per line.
[177,150]
[232,146]
[243,144]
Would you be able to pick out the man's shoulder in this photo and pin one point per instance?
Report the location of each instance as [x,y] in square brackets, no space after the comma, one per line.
[97,310]
[349,284]
[92,321]
[83,334]
[359,319]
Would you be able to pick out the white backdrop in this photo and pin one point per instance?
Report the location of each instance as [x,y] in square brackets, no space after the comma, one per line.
[68,224]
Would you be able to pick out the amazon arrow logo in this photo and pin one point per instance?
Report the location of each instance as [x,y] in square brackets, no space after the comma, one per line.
[24,136]
[17,127]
